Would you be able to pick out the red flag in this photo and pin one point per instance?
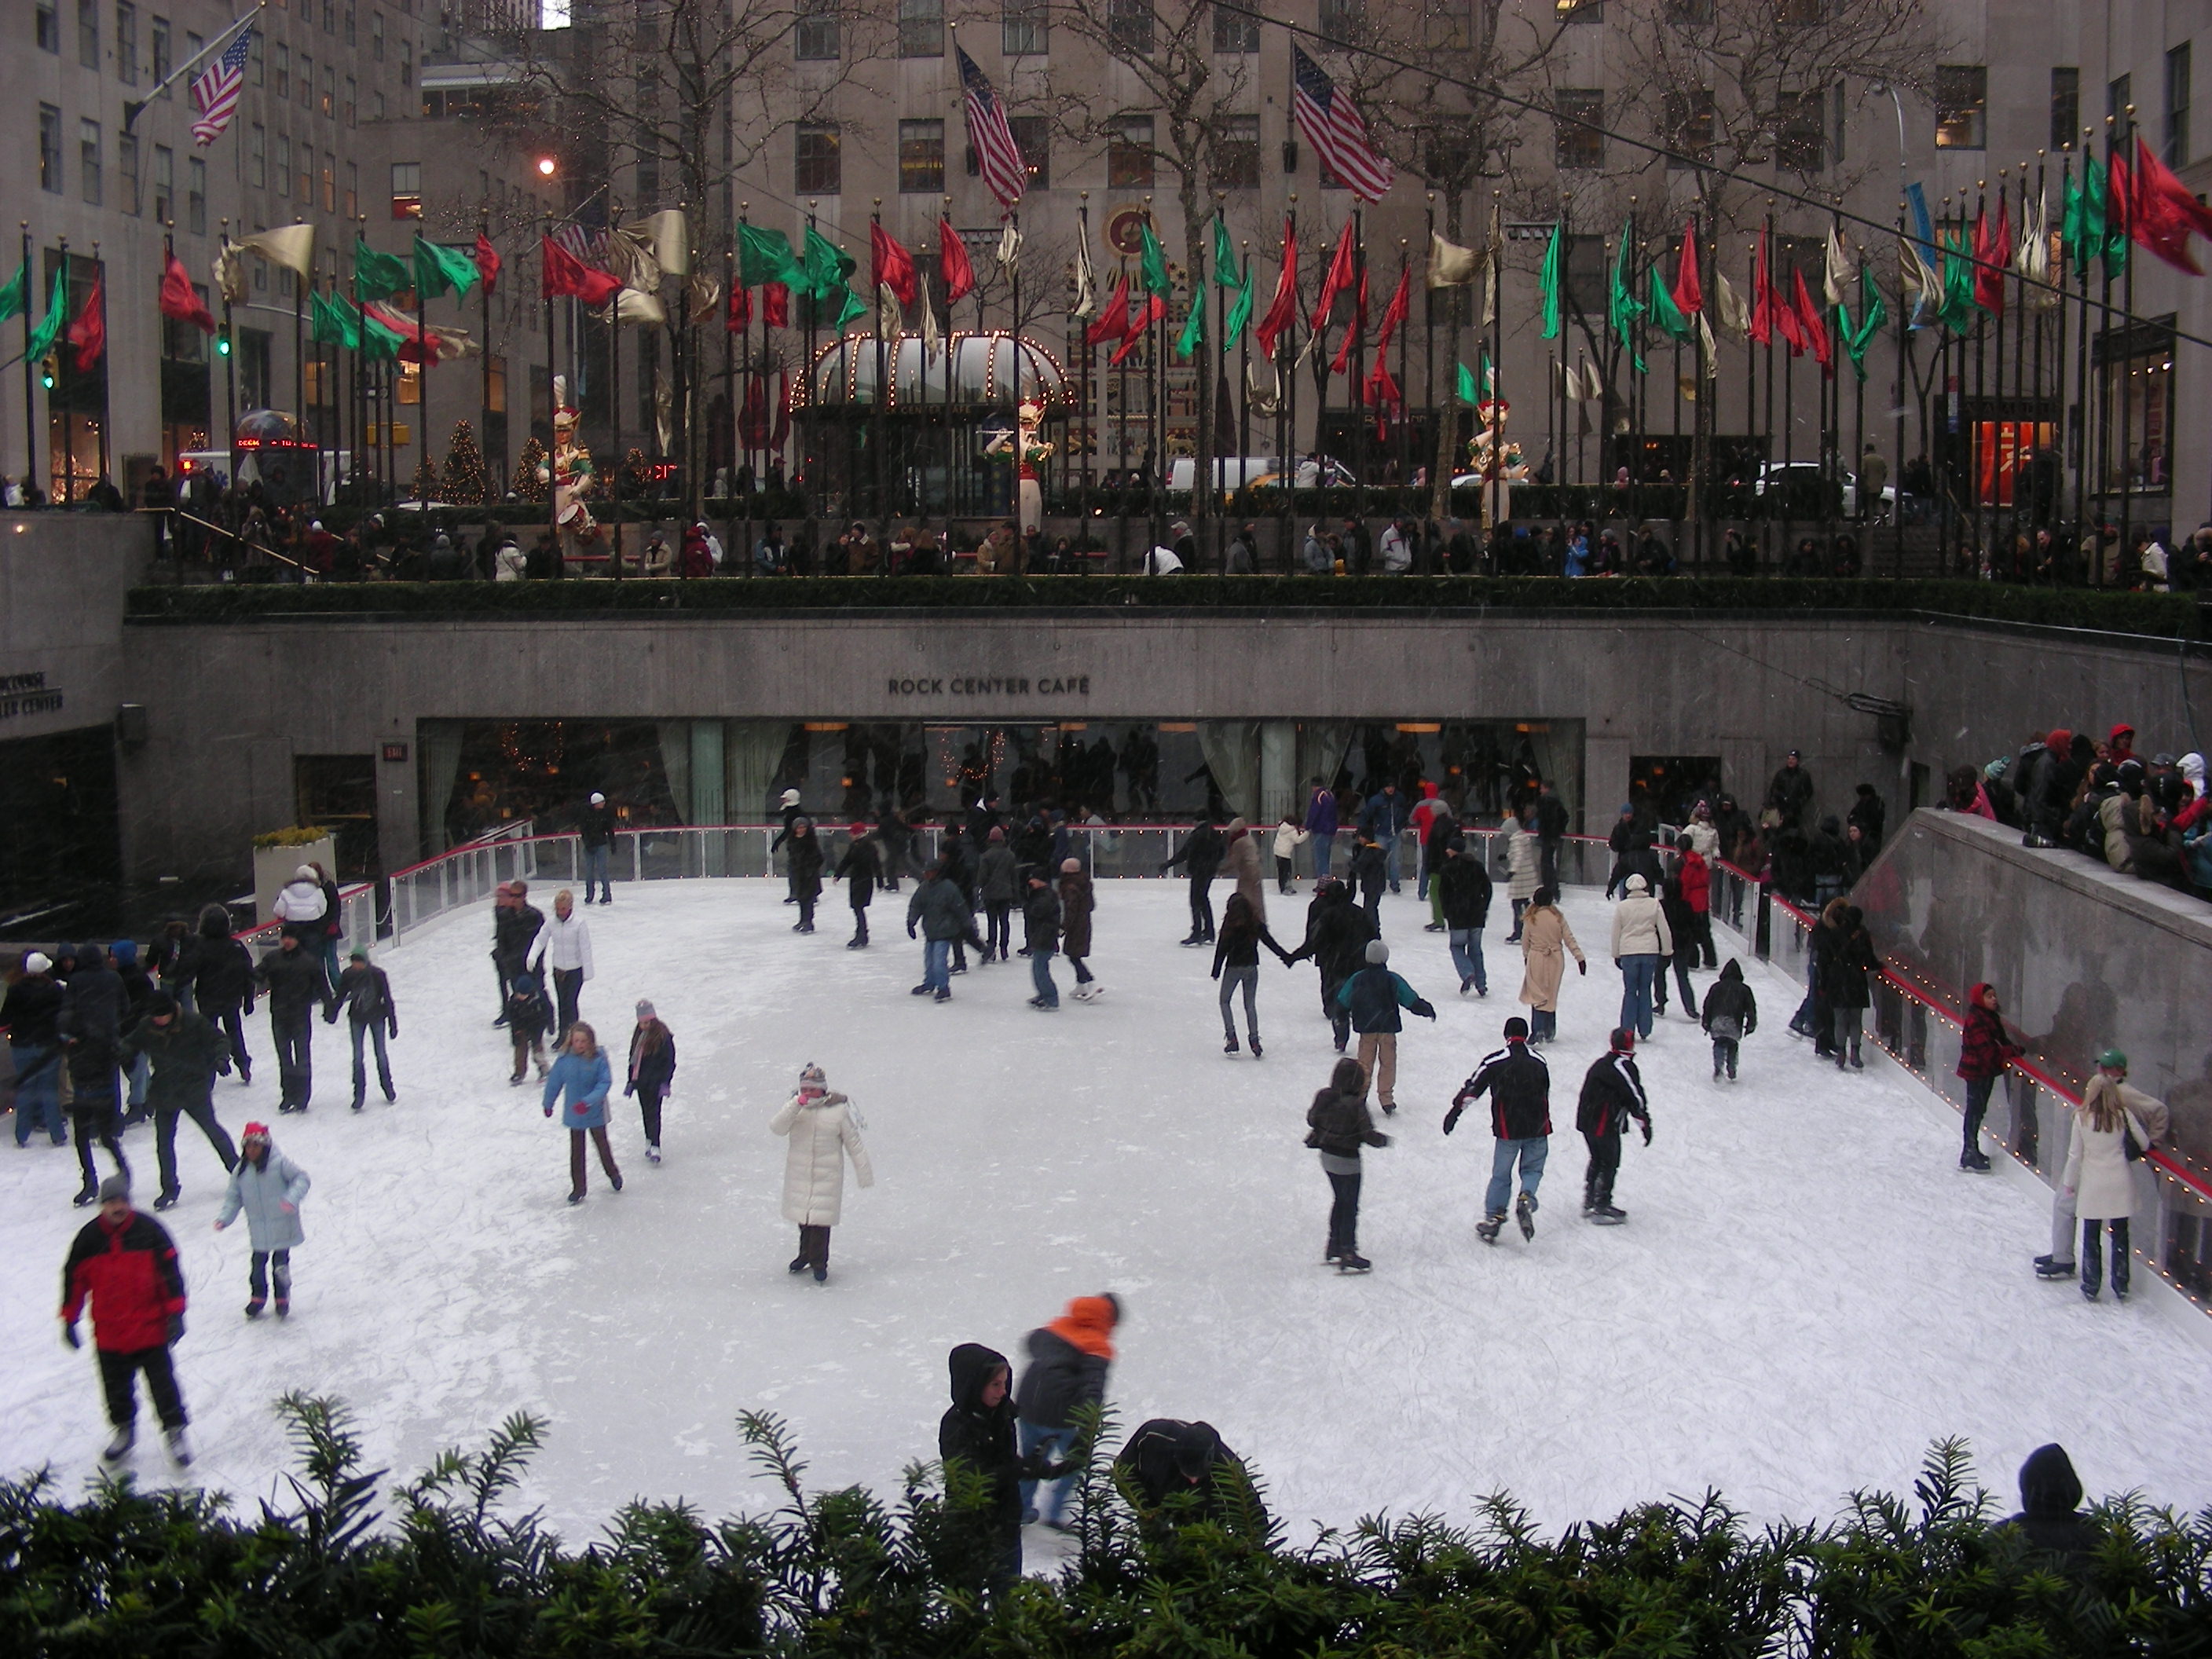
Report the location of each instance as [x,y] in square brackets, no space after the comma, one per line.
[1393,314]
[1811,329]
[89,332]
[177,299]
[1283,311]
[1988,264]
[487,262]
[752,415]
[1781,311]
[1689,293]
[1112,323]
[1761,331]
[890,264]
[1382,394]
[562,272]
[952,266]
[2119,195]
[2154,178]
[1156,307]
[776,305]
[1338,279]
[1351,335]
[741,310]
[2165,212]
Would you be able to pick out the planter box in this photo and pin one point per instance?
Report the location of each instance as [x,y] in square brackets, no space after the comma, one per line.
[273,867]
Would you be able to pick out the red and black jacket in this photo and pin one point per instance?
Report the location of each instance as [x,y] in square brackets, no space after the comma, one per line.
[1612,1093]
[131,1274]
[1984,1051]
[1519,1086]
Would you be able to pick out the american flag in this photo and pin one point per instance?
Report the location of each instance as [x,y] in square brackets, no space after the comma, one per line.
[588,245]
[215,89]
[999,155]
[1334,128]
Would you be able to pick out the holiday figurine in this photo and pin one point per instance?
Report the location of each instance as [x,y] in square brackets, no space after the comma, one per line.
[571,478]
[1496,459]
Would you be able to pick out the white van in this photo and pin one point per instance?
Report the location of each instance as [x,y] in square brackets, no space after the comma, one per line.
[1235,472]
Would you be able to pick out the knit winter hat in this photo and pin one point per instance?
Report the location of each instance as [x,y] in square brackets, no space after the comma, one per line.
[598,800]
[115,1187]
[645,1010]
[1377,952]
[359,953]
[37,963]
[159,1004]
[305,872]
[255,1131]
[1637,884]
[124,950]
[811,1072]
[790,797]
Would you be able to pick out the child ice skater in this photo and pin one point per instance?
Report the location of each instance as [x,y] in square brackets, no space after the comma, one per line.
[1731,1014]
[267,1187]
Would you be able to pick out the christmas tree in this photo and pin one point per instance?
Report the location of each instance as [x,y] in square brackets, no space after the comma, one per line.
[528,486]
[425,487]
[636,476]
[464,484]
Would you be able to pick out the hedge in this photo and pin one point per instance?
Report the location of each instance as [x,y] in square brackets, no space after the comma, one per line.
[2164,616]
[454,1572]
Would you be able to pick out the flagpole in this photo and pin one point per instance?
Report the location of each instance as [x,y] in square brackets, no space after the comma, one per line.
[1869,505]
[421,393]
[2039,510]
[1090,354]
[2127,336]
[1217,350]
[1120,364]
[1286,399]
[1832,413]
[1244,398]
[552,368]
[30,409]
[1358,369]
[99,287]
[2103,433]
[882,420]
[68,449]
[1897,403]
[1494,293]
[1405,435]
[614,406]
[1155,412]
[1703,414]
[2081,432]
[229,377]
[484,418]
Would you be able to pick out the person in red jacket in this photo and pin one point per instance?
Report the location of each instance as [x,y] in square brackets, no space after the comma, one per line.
[127,1264]
[1984,1052]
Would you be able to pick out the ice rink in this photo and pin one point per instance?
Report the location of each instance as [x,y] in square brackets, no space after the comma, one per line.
[1805,1294]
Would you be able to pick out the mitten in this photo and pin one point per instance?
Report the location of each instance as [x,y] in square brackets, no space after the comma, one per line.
[1451,1118]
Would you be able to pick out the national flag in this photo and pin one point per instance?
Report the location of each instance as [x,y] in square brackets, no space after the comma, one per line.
[488,263]
[1240,309]
[1283,309]
[1156,310]
[1451,265]
[998,157]
[178,300]
[1990,260]
[1784,317]
[933,341]
[1113,322]
[775,306]
[825,271]
[333,321]
[1337,280]
[377,275]
[1553,278]
[1857,337]
[891,265]
[953,267]
[560,273]
[214,89]
[889,320]
[1623,309]
[1009,247]
[1334,128]
[438,268]
[2119,209]
[88,333]
[17,294]
[1689,293]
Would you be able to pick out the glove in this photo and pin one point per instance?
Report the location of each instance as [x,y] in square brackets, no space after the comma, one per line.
[631,1088]
[176,1328]
[69,1335]
[1384,1140]
[223,1066]
[1647,1134]
[1426,1011]
[909,929]
[1451,1118]
[392,1030]
[1582,968]
[549,1112]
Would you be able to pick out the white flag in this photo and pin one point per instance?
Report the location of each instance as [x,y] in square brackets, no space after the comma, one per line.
[1736,321]
[669,235]
[1712,356]
[632,307]
[932,342]
[1838,277]
[1086,289]
[889,321]
[292,246]
[1010,247]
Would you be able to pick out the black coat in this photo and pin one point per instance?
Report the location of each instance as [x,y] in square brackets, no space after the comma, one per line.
[94,1004]
[365,994]
[803,861]
[1729,999]
[1789,792]
[187,1054]
[1201,853]
[222,974]
[983,1437]
[1165,1457]
[1369,869]
[1058,1379]
[1337,932]
[596,826]
[1466,891]
[514,931]
[1339,1120]
[1040,919]
[1844,975]
[654,1070]
[1519,1086]
[33,1011]
[862,869]
[294,981]
[1612,1093]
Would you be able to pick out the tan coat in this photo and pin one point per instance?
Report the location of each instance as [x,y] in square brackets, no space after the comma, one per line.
[822,1134]
[1545,940]
[1243,863]
[1521,864]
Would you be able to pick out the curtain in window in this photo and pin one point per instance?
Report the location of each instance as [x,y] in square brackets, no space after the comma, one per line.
[441,770]
[676,762]
[1232,754]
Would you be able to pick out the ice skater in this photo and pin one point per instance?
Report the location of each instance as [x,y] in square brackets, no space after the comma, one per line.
[1337,933]
[566,955]
[1338,1125]
[1519,1086]
[823,1133]
[2098,1180]
[1985,1054]
[528,1017]
[942,911]
[1545,940]
[803,856]
[861,870]
[1069,1360]
[1462,890]
[91,1028]
[1040,932]
[1076,901]
[1730,1015]
[996,879]
[365,994]
[1290,835]
[32,1014]
[296,988]
[1200,855]
[977,1436]
[268,1187]
[125,1263]
[1612,1093]
[1237,966]
[186,1052]
[2108,1090]
[652,1070]
[222,973]
[1641,942]
[1373,997]
[580,1079]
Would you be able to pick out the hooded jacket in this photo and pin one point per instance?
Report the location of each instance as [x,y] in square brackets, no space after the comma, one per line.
[2050,1506]
[1243,863]
[1337,932]
[295,981]
[822,1135]
[995,874]
[1612,1093]
[187,1054]
[365,993]
[1731,1013]
[1069,1359]
[862,869]
[1200,853]
[983,1437]
[299,905]
[31,1010]
[131,1275]
[941,909]
[1375,994]
[220,967]
[1984,1050]
[262,1191]
[1465,897]
[1339,1120]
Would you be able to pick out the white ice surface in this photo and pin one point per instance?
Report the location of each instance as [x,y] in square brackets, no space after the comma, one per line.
[1806,1295]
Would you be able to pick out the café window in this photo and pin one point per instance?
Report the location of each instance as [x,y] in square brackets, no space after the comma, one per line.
[406,190]
[921,157]
[2134,370]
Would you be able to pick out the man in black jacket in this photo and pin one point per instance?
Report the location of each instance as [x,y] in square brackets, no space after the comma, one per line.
[1612,1093]
[186,1052]
[365,993]
[296,988]
[1463,894]
[514,927]
[222,972]
[1337,932]
[93,1009]
[1519,1086]
[1200,855]
[32,1013]
[861,870]
[1789,792]
[596,828]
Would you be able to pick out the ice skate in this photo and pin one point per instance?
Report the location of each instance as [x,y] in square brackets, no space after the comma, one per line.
[2046,1268]
[1353,1262]
[944,996]
[164,1200]
[1606,1216]
[282,1309]
[1255,1047]
[821,1275]
[575,1198]
[253,1308]
[919,991]
[120,1443]
[653,1154]
[1229,1047]
[85,1197]
[1524,1213]
[1487,1229]
[1974,1162]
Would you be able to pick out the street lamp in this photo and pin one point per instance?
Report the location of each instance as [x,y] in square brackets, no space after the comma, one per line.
[547,166]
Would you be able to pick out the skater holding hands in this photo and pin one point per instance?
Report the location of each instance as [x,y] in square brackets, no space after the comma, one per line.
[1339,1125]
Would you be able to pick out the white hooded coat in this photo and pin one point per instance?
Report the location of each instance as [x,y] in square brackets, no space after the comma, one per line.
[822,1135]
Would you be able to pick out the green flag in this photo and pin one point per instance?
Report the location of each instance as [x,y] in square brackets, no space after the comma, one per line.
[14,297]
[1622,310]
[2073,229]
[1555,256]
[854,306]
[1194,328]
[1872,315]
[1154,262]
[378,341]
[1959,310]
[1240,310]
[1467,394]
[765,256]
[44,336]
[334,322]
[827,268]
[1225,255]
[1666,315]
[438,268]
[377,275]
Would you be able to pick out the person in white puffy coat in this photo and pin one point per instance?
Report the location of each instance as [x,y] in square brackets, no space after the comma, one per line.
[1290,835]
[300,906]
[823,1132]
[268,1187]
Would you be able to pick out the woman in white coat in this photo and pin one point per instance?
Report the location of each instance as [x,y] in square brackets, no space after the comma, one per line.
[823,1133]
[2101,1185]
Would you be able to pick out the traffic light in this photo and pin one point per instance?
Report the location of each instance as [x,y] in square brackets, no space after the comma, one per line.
[46,373]
[222,342]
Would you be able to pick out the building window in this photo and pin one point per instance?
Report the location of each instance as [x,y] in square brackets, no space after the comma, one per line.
[406,190]
[1343,22]
[87,33]
[1237,153]
[349,100]
[312,372]
[257,156]
[1962,105]
[307,191]
[921,28]
[126,172]
[2065,108]
[1689,117]
[280,72]
[376,35]
[1129,24]
[406,62]
[254,379]
[1800,132]
[1235,31]
[2119,99]
[353,189]
[50,149]
[1129,154]
[816,167]
[921,158]
[126,43]
[1022,32]
[88,169]
[2177,106]
[257,55]
[49,27]
[165,183]
[347,15]
[1033,138]
[330,185]
[376,105]
[283,165]
[496,387]
[1577,140]
[161,45]
[2134,370]
[196,196]
[818,38]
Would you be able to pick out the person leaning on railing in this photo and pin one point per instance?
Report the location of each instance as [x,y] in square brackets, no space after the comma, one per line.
[2118,1119]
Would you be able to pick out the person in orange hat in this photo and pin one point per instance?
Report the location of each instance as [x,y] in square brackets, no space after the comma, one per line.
[1068,1362]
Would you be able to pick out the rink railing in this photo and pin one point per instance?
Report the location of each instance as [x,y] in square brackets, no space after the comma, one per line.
[2030,1116]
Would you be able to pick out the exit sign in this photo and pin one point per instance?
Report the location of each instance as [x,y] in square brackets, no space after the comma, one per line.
[395,751]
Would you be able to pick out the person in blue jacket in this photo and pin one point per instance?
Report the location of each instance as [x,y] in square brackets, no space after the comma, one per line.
[1321,824]
[1374,995]
[580,1079]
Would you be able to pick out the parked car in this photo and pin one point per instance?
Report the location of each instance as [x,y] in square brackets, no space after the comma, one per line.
[1802,471]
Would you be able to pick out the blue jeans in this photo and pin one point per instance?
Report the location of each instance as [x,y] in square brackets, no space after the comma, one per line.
[1392,842]
[595,869]
[1636,975]
[1323,846]
[1543,1025]
[373,1030]
[1977,1106]
[1467,956]
[1054,1443]
[1040,975]
[38,1101]
[937,964]
[1530,1154]
[142,1071]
